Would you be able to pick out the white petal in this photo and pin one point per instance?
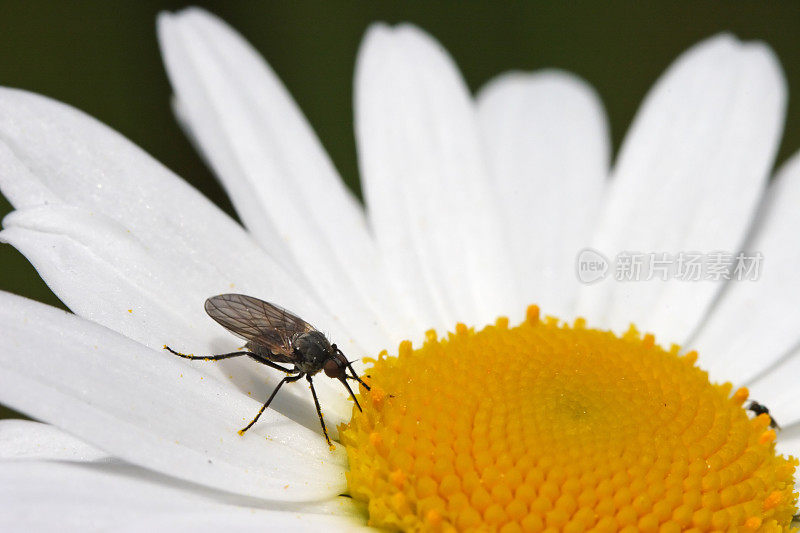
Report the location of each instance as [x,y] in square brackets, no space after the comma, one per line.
[257,521]
[548,146]
[100,204]
[23,439]
[425,181]
[777,389]
[52,154]
[105,273]
[757,322]
[151,410]
[46,496]
[278,175]
[689,176]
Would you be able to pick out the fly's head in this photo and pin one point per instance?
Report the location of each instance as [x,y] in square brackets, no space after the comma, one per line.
[336,366]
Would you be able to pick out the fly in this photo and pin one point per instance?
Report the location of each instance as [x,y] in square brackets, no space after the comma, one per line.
[761,409]
[275,335]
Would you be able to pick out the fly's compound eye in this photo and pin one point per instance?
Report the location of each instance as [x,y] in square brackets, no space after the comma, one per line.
[332,369]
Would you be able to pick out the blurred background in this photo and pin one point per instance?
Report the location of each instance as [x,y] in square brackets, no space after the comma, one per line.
[102,57]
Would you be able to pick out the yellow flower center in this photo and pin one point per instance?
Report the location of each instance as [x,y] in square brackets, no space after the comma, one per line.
[547,426]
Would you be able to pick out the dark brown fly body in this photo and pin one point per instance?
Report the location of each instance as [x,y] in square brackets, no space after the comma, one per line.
[275,335]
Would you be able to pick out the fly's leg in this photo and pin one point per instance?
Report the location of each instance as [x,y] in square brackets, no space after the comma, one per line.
[353,396]
[270,364]
[206,357]
[287,379]
[319,411]
[219,357]
[356,378]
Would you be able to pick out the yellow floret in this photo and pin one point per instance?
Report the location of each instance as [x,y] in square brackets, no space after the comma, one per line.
[547,426]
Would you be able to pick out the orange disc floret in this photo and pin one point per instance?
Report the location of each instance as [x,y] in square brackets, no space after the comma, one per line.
[550,427]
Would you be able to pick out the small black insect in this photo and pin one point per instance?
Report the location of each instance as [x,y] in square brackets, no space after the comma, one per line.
[760,409]
[274,335]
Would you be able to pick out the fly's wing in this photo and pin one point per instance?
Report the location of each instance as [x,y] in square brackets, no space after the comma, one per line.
[258,321]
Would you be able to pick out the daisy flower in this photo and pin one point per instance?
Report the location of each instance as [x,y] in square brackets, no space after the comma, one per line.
[475,209]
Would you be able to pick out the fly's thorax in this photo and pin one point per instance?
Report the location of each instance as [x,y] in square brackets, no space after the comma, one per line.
[314,350]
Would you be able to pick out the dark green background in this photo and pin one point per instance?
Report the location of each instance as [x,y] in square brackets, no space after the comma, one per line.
[102,57]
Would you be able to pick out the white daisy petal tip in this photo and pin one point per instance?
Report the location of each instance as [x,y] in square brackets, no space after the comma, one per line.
[412,31]
[190,15]
[279,177]
[377,30]
[192,12]
[520,79]
[426,47]
[716,113]
[573,92]
[380,34]
[756,59]
[376,37]
[546,131]
[767,68]
[419,148]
